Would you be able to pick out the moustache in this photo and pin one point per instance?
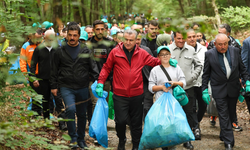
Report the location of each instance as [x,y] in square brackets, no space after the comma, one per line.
[72,40]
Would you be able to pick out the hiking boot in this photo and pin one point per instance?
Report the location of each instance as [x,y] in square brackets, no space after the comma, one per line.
[62,125]
[213,120]
[197,134]
[73,145]
[188,145]
[121,145]
[82,144]
[236,127]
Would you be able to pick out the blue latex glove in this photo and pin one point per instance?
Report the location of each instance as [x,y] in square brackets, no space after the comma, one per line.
[173,62]
[247,86]
[99,89]
[205,96]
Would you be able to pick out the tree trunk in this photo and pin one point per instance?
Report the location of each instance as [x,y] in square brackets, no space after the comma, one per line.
[203,7]
[22,10]
[84,13]
[229,3]
[217,16]
[248,3]
[77,16]
[121,7]
[90,14]
[180,4]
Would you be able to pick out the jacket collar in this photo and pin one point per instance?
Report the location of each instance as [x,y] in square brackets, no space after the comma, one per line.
[121,52]
[175,47]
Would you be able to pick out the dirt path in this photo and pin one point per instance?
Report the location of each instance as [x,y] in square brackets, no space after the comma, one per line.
[209,135]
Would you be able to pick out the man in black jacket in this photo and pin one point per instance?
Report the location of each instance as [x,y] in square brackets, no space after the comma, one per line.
[101,48]
[71,68]
[43,55]
[150,39]
[148,96]
[225,29]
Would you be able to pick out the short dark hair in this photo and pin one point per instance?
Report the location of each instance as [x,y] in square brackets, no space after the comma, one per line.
[74,27]
[88,26]
[97,22]
[176,32]
[153,22]
[72,23]
[64,30]
[39,31]
[226,26]
[106,26]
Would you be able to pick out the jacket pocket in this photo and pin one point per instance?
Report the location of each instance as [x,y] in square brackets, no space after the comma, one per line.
[188,60]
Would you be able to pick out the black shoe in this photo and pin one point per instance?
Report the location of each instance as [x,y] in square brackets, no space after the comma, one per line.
[121,145]
[197,134]
[188,145]
[82,144]
[228,146]
[73,145]
[164,148]
[62,125]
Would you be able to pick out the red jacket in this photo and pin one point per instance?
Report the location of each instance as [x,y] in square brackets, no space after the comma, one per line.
[127,79]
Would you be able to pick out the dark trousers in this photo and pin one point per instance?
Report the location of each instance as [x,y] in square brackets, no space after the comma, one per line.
[129,110]
[247,98]
[226,110]
[188,109]
[59,108]
[76,102]
[202,106]
[148,99]
[36,106]
[45,90]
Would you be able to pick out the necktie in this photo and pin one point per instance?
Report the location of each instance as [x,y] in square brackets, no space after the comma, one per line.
[227,66]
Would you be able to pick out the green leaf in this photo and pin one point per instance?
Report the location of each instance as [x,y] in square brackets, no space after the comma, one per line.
[66,137]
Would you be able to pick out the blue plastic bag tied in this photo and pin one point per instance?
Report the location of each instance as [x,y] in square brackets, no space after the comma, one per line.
[165,124]
[99,121]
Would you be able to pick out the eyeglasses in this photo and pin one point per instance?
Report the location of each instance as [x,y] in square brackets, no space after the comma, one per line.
[164,55]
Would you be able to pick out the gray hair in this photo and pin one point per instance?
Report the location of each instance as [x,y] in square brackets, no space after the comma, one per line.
[130,31]
[219,35]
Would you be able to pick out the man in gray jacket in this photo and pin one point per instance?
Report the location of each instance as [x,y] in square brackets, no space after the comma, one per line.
[191,67]
[197,116]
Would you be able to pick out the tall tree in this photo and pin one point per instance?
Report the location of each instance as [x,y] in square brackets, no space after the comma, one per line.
[181,6]
[84,12]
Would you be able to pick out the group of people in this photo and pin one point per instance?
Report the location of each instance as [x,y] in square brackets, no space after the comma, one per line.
[129,61]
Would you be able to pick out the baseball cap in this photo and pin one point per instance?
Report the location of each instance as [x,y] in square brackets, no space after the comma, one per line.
[36,25]
[105,20]
[127,28]
[113,32]
[47,24]
[84,35]
[162,48]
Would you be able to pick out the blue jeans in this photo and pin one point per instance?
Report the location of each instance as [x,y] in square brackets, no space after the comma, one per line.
[73,100]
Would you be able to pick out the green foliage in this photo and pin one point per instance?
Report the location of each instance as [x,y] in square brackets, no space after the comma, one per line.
[237,17]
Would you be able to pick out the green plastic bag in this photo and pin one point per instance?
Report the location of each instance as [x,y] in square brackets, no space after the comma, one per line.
[241,98]
[111,106]
[180,95]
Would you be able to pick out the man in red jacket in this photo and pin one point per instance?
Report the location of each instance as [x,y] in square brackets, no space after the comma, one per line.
[127,60]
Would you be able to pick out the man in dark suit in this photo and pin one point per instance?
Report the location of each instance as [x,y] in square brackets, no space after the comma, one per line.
[223,66]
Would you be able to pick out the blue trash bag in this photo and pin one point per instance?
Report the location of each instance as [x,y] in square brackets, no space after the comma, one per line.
[99,121]
[165,124]
[30,105]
